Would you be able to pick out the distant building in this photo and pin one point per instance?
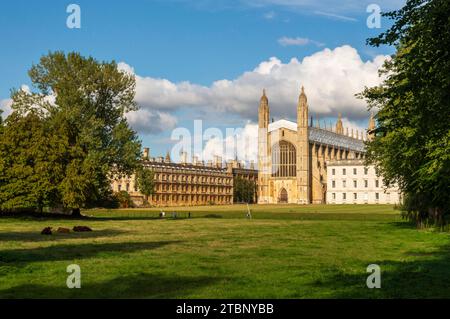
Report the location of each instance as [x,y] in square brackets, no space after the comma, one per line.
[350,182]
[250,174]
[292,155]
[186,184]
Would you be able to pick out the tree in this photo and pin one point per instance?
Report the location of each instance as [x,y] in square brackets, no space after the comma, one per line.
[145,181]
[31,163]
[244,190]
[124,199]
[85,102]
[412,139]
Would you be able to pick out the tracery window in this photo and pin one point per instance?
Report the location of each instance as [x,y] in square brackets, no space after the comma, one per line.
[284,160]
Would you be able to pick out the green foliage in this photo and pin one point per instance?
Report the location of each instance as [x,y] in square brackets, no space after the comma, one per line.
[412,143]
[244,191]
[31,163]
[87,120]
[124,199]
[145,181]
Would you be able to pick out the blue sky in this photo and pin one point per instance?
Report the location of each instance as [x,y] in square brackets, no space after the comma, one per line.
[194,42]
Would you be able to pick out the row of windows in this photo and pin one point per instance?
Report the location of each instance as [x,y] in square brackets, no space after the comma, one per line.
[355,183]
[181,188]
[193,198]
[355,171]
[184,188]
[365,196]
[193,179]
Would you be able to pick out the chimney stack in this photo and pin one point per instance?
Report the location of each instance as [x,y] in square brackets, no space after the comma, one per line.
[183,157]
[146,154]
[195,160]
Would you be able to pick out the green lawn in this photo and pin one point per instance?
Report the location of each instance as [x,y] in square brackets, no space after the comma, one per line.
[283,252]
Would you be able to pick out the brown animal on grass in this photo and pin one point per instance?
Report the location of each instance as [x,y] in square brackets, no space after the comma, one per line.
[63,230]
[81,229]
[46,231]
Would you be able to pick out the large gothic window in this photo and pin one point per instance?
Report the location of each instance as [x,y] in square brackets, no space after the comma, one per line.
[284,160]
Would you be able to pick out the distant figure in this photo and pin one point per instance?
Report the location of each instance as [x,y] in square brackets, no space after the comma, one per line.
[189,215]
[249,213]
[162,214]
[174,215]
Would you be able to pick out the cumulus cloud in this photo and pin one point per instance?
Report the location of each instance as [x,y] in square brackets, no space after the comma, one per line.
[331,79]
[243,144]
[151,122]
[5,106]
[287,41]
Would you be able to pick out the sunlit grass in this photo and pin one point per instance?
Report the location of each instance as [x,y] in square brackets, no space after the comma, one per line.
[283,252]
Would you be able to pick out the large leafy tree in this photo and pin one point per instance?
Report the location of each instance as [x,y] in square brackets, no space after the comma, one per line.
[412,139]
[90,100]
[31,163]
[145,181]
[244,191]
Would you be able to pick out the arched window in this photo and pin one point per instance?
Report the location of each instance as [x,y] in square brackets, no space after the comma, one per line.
[284,160]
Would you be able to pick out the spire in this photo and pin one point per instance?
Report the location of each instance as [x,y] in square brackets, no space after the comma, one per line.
[264,97]
[263,111]
[339,126]
[302,99]
[372,127]
[168,157]
[302,109]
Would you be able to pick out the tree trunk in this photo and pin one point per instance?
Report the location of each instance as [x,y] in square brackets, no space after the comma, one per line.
[76,212]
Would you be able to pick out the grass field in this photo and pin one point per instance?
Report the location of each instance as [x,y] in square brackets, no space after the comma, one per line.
[283,252]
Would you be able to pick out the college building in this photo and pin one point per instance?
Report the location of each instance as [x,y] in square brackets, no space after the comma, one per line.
[292,157]
[187,183]
[351,182]
[298,163]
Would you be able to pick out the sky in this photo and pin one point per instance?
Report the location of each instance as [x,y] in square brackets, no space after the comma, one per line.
[208,60]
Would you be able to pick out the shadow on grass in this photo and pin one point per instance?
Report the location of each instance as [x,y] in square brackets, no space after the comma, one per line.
[74,251]
[404,224]
[426,277]
[135,286]
[35,236]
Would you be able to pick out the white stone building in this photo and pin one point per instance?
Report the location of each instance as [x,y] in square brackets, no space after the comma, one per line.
[350,182]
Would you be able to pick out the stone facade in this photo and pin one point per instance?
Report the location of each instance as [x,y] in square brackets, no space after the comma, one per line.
[351,182]
[292,157]
[186,184]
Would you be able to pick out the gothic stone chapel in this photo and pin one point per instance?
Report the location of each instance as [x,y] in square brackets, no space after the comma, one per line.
[292,156]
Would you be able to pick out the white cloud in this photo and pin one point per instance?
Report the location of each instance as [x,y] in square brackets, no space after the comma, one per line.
[243,144]
[151,122]
[287,41]
[331,79]
[5,106]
